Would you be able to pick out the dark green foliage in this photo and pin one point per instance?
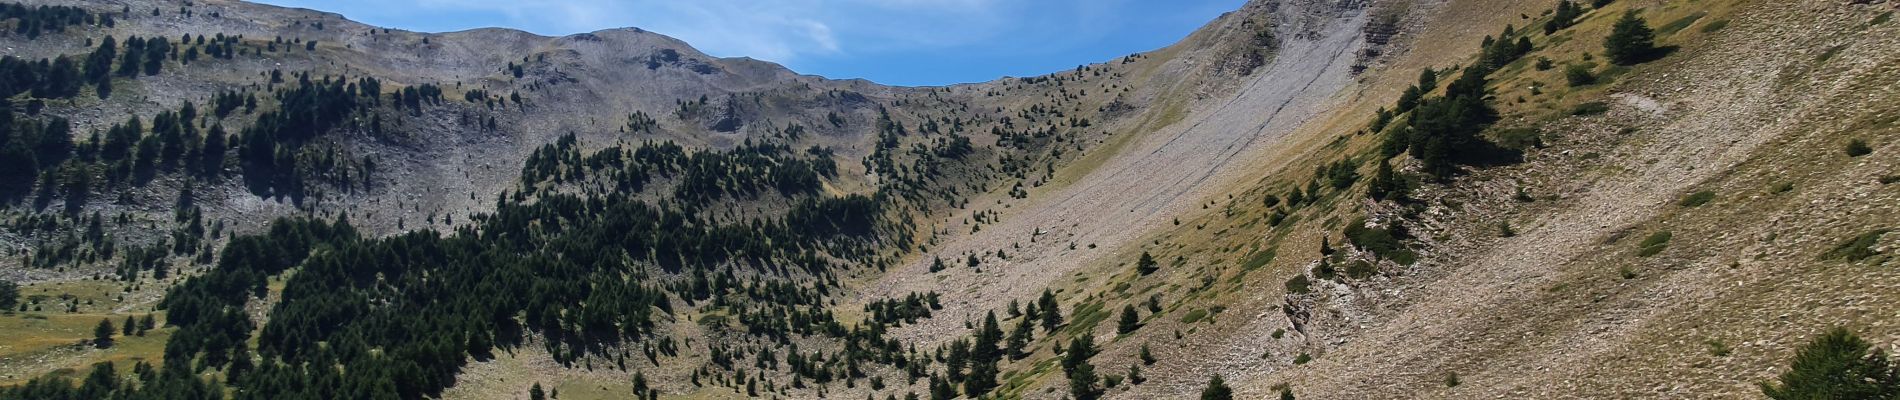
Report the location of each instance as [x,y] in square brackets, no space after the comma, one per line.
[1217,390]
[1563,17]
[1380,120]
[1681,23]
[268,149]
[1386,184]
[9,295]
[1019,339]
[27,147]
[1409,99]
[1697,199]
[33,22]
[1519,139]
[1130,320]
[47,78]
[1446,131]
[1720,24]
[984,358]
[1837,365]
[143,56]
[1579,75]
[1339,174]
[1298,285]
[1146,265]
[428,301]
[1858,147]
[893,312]
[1384,242]
[1654,244]
[1860,247]
[1502,51]
[102,333]
[1360,269]
[1050,311]
[1631,41]
[1083,383]
[1590,108]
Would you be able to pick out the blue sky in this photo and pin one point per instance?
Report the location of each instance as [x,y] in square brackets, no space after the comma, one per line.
[901,42]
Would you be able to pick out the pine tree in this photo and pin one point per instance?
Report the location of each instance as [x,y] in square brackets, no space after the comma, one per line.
[1386,184]
[1631,41]
[9,295]
[1217,390]
[1083,384]
[1130,320]
[984,355]
[102,334]
[1565,16]
[1019,339]
[1051,313]
[1147,264]
[99,64]
[1837,365]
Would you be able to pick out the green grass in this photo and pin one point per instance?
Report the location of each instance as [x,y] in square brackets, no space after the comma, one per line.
[1518,138]
[56,341]
[1654,244]
[1258,259]
[1590,108]
[1714,26]
[1193,316]
[1674,26]
[1697,199]
[1858,248]
[1086,317]
[1360,269]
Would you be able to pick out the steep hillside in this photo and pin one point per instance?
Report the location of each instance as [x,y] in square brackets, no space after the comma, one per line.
[240,200]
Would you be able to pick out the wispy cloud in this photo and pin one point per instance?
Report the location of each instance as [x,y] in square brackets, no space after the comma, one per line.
[778,30]
[970,39]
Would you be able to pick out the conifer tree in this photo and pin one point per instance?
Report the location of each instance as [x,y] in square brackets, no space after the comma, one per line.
[1217,390]
[1130,320]
[1631,41]
[1083,383]
[1051,313]
[102,333]
[1837,365]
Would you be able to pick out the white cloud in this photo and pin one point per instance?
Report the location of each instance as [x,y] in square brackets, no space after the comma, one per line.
[777,30]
